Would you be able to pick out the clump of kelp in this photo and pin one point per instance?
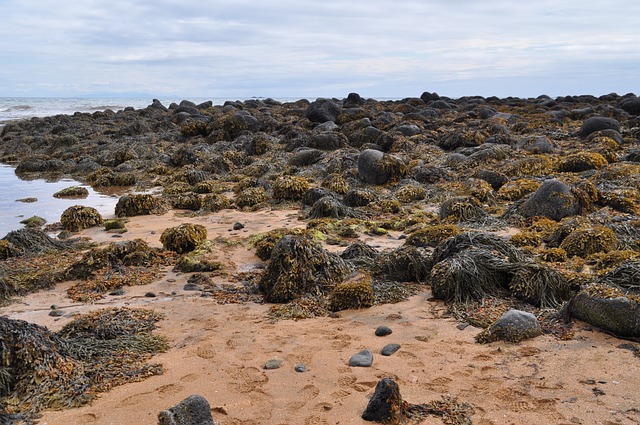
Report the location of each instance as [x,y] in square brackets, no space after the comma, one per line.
[40,369]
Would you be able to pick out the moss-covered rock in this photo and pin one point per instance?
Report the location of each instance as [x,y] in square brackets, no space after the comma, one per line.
[517,189]
[138,204]
[33,222]
[356,292]
[8,250]
[553,199]
[79,217]
[264,242]
[183,238]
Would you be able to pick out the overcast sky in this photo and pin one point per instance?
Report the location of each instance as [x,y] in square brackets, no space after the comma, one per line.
[324,48]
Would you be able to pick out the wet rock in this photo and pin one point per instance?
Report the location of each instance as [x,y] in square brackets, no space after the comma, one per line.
[300,368]
[593,124]
[389,349]
[194,410]
[383,331]
[386,400]
[553,199]
[513,326]
[322,110]
[362,359]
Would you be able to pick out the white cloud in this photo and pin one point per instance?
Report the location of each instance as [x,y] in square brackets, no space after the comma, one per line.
[311,48]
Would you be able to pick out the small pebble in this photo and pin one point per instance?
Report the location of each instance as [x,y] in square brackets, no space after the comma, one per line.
[273,364]
[56,313]
[118,291]
[462,326]
[362,359]
[390,349]
[238,226]
[383,331]
[300,368]
[150,295]
[53,307]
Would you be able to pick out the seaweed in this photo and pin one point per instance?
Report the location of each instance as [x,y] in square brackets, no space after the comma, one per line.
[91,354]
[359,197]
[404,264]
[183,238]
[251,197]
[264,242]
[300,266]
[588,240]
[72,192]
[328,206]
[410,193]
[138,204]
[540,286]
[290,188]
[462,209]
[336,182]
[79,217]
[355,293]
[432,235]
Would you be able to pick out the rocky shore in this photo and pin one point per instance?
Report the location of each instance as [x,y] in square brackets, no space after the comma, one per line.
[505,231]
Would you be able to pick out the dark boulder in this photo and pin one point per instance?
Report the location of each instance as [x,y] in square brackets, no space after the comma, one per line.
[428,97]
[386,400]
[593,124]
[193,410]
[322,110]
[631,105]
[375,167]
[353,100]
[553,199]
[328,141]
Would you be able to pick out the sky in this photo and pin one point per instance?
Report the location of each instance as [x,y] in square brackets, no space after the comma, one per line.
[325,48]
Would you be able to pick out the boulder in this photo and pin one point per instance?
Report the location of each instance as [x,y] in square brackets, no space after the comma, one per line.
[553,199]
[375,167]
[193,410]
[513,326]
[593,124]
[322,110]
[385,401]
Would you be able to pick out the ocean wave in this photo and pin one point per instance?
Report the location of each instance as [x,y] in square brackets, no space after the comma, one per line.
[18,108]
[104,107]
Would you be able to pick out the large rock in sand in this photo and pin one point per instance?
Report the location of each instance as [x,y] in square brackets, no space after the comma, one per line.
[194,410]
[553,199]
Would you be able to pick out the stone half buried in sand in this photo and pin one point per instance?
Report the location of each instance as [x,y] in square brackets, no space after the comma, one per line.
[513,326]
[299,266]
[384,403]
[193,410]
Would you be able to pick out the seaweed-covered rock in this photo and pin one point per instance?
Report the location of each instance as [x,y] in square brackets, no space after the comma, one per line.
[356,292]
[587,240]
[626,276]
[582,161]
[251,197]
[299,266]
[183,238]
[290,188]
[360,254]
[495,244]
[553,199]
[540,286]
[431,236]
[609,308]
[193,410]
[359,197]
[462,208]
[322,110]
[215,202]
[329,206]
[128,253]
[513,326]
[32,242]
[375,167]
[33,222]
[72,192]
[137,204]
[410,193]
[8,250]
[79,217]
[265,242]
[471,275]
[404,264]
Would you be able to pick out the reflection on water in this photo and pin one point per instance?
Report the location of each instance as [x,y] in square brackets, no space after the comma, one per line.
[47,207]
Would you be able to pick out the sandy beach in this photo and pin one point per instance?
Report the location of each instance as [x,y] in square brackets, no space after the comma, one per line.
[219,351]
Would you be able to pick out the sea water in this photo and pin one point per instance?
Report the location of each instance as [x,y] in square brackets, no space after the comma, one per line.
[12,211]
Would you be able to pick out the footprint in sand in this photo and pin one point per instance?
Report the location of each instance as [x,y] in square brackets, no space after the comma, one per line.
[135,399]
[192,377]
[315,420]
[169,389]
[88,418]
[247,379]
[309,392]
[205,352]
